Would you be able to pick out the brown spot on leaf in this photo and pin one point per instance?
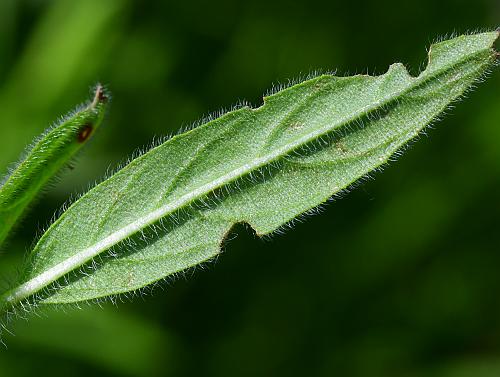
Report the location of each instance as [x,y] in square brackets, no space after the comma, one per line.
[85,132]
[340,146]
[295,126]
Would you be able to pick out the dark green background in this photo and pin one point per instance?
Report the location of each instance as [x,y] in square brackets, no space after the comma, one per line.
[400,278]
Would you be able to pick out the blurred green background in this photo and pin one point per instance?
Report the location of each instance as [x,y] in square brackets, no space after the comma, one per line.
[400,278]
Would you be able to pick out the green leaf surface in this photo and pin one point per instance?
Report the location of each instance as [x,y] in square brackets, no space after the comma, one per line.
[171,208]
[45,158]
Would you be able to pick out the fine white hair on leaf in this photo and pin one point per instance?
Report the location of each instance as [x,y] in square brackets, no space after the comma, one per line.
[257,175]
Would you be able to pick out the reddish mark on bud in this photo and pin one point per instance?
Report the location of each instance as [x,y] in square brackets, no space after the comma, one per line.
[101,94]
[85,132]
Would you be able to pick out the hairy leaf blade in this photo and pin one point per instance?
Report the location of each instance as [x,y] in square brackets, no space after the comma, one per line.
[169,209]
[45,158]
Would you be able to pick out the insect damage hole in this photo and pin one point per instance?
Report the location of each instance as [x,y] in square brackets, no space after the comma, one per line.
[85,132]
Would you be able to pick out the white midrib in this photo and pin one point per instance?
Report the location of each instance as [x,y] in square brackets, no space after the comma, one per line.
[49,276]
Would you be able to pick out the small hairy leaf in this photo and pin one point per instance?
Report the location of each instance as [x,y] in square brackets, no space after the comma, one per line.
[171,208]
[47,155]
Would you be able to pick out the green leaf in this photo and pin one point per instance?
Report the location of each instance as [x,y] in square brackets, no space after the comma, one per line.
[172,208]
[47,155]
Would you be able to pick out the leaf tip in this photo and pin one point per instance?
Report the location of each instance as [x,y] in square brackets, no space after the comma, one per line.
[101,95]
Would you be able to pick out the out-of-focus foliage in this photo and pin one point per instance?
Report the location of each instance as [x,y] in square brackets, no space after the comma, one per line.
[400,278]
